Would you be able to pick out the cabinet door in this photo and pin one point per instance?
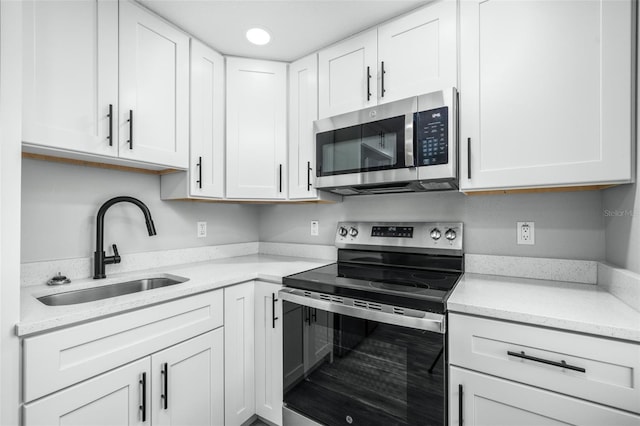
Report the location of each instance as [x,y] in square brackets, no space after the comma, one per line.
[294,327]
[347,75]
[154,89]
[70,75]
[545,93]
[113,398]
[239,355]
[256,129]
[268,358]
[487,400]
[303,111]
[188,382]
[417,53]
[207,122]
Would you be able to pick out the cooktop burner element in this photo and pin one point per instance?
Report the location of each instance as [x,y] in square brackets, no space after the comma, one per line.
[408,264]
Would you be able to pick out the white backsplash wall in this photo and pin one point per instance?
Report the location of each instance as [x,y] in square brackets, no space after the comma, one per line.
[60,203]
[567,225]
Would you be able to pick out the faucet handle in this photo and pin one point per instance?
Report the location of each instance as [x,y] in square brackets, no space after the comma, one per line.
[116,255]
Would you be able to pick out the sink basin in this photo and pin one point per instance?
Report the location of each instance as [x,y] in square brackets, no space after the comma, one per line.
[104,292]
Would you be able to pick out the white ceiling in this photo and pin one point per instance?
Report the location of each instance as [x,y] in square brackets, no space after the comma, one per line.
[297,27]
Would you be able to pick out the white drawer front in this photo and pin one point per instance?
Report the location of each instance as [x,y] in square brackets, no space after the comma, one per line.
[611,373]
[60,358]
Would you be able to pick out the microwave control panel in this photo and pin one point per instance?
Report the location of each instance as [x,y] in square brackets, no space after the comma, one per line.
[432,136]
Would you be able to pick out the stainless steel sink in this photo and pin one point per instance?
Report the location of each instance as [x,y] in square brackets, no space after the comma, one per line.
[104,292]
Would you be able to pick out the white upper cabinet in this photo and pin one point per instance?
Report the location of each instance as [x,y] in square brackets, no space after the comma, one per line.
[256,129]
[70,75]
[154,89]
[205,177]
[409,56]
[417,53]
[347,75]
[546,93]
[303,111]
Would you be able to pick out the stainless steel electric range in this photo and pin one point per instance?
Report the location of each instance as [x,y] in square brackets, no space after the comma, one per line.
[364,340]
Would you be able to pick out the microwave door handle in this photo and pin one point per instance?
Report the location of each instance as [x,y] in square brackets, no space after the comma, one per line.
[408,141]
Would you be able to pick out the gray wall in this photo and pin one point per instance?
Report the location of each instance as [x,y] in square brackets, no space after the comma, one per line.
[567,225]
[60,202]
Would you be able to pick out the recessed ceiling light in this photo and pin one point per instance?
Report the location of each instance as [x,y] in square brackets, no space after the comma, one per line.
[258,36]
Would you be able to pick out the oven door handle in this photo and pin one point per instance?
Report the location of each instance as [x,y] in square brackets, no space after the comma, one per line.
[409,141]
[429,322]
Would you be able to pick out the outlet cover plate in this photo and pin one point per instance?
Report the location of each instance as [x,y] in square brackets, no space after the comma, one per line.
[526,233]
[201,230]
[315,228]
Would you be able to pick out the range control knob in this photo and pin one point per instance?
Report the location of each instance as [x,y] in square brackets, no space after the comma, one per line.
[450,234]
[435,234]
[353,232]
[342,231]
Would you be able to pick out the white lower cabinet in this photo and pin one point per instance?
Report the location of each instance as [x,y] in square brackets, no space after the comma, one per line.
[239,384]
[519,374]
[491,401]
[161,365]
[188,382]
[114,398]
[268,358]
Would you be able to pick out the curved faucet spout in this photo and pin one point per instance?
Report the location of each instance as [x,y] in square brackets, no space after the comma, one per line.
[99,259]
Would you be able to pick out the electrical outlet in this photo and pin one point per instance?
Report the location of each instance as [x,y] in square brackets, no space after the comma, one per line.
[201,230]
[526,233]
[315,225]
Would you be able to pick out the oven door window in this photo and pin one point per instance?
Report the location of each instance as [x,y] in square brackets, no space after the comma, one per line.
[341,370]
[368,147]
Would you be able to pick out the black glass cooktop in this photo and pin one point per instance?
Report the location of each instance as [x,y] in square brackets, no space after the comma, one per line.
[399,286]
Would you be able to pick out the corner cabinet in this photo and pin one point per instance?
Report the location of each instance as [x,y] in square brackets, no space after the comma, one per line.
[205,177]
[546,93]
[408,56]
[105,81]
[256,129]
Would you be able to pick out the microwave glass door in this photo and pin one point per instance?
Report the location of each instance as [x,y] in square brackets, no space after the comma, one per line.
[340,369]
[366,147]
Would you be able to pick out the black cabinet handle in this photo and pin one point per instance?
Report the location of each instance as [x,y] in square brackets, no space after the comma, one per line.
[307,315]
[280,178]
[460,405]
[308,175]
[143,407]
[314,315]
[165,385]
[110,137]
[468,158]
[199,165]
[368,83]
[383,73]
[273,310]
[561,364]
[130,120]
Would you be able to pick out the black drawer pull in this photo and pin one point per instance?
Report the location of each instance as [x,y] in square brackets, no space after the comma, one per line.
[468,158]
[308,175]
[199,165]
[368,84]
[165,385]
[460,405]
[130,120]
[561,364]
[143,405]
[110,137]
[273,310]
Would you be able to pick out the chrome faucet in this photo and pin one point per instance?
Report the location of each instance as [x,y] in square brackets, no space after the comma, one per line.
[99,258]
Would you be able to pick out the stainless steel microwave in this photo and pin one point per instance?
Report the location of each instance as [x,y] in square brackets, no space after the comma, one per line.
[404,146]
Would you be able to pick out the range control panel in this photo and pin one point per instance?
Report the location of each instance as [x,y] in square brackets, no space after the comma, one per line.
[437,237]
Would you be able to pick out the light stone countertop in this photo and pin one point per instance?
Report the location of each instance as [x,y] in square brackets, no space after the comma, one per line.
[204,276]
[582,308]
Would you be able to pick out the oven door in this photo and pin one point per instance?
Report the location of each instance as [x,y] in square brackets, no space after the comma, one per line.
[349,365]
